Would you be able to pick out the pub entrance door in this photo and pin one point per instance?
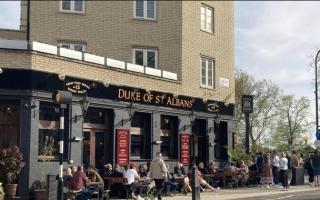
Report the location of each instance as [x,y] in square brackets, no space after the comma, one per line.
[199,142]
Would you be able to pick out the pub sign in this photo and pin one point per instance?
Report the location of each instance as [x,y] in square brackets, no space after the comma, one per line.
[247,103]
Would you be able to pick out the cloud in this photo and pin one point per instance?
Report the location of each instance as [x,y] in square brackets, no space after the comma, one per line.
[10,14]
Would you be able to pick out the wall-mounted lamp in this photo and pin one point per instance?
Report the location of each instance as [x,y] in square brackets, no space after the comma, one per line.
[76,139]
[131,111]
[157,142]
[84,104]
[192,117]
[217,118]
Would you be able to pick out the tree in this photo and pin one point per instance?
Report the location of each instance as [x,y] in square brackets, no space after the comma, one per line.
[266,98]
[292,122]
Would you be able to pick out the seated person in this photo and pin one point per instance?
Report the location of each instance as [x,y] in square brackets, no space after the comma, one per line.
[116,188]
[78,183]
[133,180]
[67,176]
[232,179]
[180,176]
[202,182]
[143,171]
[202,169]
[73,169]
[244,173]
[117,171]
[169,186]
[107,170]
[95,178]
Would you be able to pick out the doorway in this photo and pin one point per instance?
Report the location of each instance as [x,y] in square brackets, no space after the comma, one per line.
[199,142]
[95,138]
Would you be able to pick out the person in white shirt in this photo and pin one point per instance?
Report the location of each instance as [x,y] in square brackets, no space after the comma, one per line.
[275,167]
[283,166]
[132,176]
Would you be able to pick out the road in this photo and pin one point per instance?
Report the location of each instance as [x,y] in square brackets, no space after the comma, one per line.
[314,195]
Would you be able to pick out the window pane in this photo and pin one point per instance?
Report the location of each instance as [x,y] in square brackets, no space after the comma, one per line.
[67,46]
[139,8]
[66,5]
[139,57]
[78,47]
[48,143]
[151,62]
[78,5]
[210,68]
[150,9]
[136,145]
[209,20]
[203,72]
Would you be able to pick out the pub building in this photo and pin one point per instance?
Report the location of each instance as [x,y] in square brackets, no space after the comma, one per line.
[107,122]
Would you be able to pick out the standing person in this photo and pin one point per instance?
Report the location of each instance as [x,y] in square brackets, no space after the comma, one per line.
[284,170]
[289,158]
[157,172]
[275,167]
[266,171]
[315,163]
[295,160]
[308,167]
[259,160]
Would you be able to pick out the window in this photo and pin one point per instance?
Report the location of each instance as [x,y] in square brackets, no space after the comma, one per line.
[206,18]
[48,147]
[146,57]
[207,72]
[145,9]
[73,46]
[72,6]
[169,137]
[140,136]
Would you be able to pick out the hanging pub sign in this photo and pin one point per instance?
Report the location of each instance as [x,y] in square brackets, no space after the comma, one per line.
[77,87]
[185,148]
[122,156]
[247,103]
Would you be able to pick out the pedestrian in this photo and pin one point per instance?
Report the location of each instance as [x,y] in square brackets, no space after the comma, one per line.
[308,167]
[295,160]
[284,170]
[315,162]
[266,178]
[275,167]
[259,160]
[158,171]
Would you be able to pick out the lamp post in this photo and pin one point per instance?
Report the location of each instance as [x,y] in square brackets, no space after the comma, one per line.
[247,108]
[316,88]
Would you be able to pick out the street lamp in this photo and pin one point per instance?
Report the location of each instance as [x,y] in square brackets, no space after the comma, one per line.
[84,104]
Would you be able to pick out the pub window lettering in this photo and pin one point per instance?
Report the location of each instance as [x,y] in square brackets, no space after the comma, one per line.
[73,46]
[207,73]
[76,6]
[146,57]
[145,9]
[206,18]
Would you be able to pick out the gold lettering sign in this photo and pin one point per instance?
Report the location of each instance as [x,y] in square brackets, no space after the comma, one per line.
[165,100]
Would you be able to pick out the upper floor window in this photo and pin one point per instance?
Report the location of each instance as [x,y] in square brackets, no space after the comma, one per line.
[206,18]
[145,9]
[73,46]
[72,5]
[146,57]
[207,72]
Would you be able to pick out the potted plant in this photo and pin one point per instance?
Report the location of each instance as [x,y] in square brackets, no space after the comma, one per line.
[1,192]
[40,190]
[11,163]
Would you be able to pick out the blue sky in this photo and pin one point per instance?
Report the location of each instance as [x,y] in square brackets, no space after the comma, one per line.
[274,40]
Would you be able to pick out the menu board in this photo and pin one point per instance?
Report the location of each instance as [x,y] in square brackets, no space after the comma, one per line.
[185,148]
[122,147]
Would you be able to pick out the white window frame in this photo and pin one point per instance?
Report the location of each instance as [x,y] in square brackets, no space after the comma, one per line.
[205,28]
[72,7]
[213,73]
[145,57]
[84,47]
[145,10]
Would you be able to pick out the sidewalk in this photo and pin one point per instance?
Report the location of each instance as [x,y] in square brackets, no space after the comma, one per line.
[242,193]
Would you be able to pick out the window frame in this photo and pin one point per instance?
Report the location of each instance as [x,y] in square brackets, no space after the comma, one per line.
[206,75]
[206,7]
[145,56]
[145,11]
[72,7]
[72,45]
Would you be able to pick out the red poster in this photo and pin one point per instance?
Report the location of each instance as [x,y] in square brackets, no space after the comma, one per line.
[122,156]
[185,148]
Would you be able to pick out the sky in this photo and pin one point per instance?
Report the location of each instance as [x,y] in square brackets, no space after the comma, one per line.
[273,40]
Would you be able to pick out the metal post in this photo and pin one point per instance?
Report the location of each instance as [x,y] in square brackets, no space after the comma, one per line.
[316,88]
[247,133]
[195,185]
[61,133]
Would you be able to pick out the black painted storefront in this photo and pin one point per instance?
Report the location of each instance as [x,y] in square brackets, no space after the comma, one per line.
[157,116]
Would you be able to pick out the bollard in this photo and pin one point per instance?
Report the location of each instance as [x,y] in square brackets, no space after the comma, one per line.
[195,185]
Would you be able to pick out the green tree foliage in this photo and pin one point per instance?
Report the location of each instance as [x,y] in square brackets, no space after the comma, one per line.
[292,122]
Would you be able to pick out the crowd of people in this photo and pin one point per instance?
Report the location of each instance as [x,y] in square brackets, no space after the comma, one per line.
[272,169]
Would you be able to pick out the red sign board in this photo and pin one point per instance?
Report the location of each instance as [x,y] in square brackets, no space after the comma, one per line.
[122,147]
[185,148]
